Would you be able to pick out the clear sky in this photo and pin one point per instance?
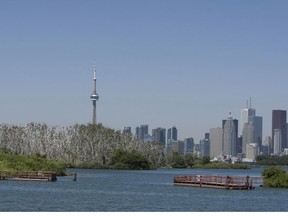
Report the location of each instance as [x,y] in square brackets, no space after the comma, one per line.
[183,63]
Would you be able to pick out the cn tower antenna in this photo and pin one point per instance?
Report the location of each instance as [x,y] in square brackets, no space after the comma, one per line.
[94,96]
[95,70]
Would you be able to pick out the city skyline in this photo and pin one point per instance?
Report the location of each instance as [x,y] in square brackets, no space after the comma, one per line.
[226,143]
[256,121]
[161,63]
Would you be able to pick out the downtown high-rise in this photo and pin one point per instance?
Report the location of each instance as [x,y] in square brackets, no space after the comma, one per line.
[159,135]
[279,126]
[172,134]
[230,134]
[216,142]
[189,145]
[248,136]
[251,128]
[141,131]
[246,113]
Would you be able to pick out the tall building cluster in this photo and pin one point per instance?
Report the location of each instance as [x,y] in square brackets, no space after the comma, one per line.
[226,144]
[169,138]
[234,140]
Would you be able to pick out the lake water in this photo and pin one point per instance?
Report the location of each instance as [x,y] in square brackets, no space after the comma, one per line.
[153,190]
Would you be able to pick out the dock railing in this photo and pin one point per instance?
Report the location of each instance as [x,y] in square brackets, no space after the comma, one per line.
[221,181]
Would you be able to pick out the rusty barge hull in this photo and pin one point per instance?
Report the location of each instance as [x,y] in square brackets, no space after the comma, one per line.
[213,185]
[219,182]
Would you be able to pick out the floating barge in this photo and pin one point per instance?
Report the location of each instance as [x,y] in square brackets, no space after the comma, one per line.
[223,182]
[29,176]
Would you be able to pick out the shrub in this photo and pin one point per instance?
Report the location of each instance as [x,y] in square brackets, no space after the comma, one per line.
[122,159]
[14,162]
[275,177]
[178,161]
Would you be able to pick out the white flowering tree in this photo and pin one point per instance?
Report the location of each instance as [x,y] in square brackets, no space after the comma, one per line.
[75,144]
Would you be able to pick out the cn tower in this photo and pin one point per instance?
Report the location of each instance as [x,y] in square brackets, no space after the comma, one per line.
[94,97]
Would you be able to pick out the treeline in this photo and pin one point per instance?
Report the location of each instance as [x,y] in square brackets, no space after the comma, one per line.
[77,145]
[176,160]
[272,160]
[121,159]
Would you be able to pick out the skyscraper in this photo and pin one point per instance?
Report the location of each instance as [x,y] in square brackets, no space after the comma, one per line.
[141,131]
[216,142]
[249,115]
[127,130]
[230,127]
[279,122]
[172,133]
[159,135]
[171,137]
[245,114]
[188,145]
[248,135]
[235,124]
[258,129]
[277,141]
[178,146]
[266,148]
[94,97]
[204,146]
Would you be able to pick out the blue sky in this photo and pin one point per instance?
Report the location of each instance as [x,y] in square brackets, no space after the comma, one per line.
[162,62]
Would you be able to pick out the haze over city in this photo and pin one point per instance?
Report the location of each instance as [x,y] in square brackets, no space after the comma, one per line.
[163,63]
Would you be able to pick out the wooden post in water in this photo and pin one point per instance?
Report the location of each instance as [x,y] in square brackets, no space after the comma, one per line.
[247,181]
[251,187]
[75,177]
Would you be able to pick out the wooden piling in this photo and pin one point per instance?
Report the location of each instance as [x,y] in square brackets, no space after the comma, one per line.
[75,177]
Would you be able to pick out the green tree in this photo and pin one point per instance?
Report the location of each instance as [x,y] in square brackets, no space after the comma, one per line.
[275,177]
[177,161]
[189,160]
[205,160]
[122,159]
[272,160]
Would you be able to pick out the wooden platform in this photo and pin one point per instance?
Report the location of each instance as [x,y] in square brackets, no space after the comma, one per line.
[28,176]
[223,182]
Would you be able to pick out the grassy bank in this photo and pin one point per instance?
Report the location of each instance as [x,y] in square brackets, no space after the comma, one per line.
[14,162]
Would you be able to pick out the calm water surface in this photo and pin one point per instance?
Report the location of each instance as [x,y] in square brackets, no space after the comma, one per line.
[114,190]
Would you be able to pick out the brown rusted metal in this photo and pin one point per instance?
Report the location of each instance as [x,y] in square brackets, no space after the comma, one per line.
[225,182]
